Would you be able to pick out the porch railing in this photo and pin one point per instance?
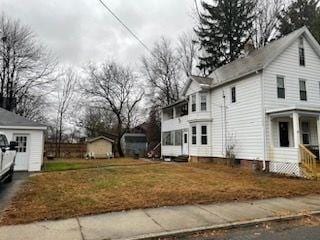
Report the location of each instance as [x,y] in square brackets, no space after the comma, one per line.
[308,161]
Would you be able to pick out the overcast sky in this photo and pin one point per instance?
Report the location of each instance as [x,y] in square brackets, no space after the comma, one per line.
[78,31]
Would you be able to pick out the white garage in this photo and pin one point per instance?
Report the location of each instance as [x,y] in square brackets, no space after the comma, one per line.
[30,138]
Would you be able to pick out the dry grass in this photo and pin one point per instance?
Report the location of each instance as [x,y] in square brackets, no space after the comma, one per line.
[56,195]
[73,164]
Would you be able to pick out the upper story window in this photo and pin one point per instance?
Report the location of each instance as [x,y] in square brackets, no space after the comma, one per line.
[194,135]
[233,95]
[303,90]
[203,102]
[204,135]
[302,60]
[281,87]
[193,103]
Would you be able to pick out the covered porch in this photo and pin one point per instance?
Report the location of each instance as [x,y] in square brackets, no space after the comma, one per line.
[294,137]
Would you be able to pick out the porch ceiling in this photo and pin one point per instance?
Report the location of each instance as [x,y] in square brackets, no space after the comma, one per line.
[282,112]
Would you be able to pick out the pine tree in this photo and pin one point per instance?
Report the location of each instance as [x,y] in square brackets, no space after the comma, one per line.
[301,13]
[223,30]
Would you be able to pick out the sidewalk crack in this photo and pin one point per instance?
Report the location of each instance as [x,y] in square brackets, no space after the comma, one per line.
[80,228]
[155,221]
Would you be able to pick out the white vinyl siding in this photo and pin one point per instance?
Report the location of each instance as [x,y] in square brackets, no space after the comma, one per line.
[287,65]
[243,120]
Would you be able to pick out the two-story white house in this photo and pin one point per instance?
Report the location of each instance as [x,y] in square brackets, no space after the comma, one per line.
[264,106]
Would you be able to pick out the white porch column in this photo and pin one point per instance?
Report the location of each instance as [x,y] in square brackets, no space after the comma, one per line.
[296,129]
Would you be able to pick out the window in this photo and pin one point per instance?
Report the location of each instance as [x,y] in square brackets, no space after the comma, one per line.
[303,90]
[305,132]
[281,88]
[193,103]
[3,141]
[233,94]
[178,138]
[185,138]
[302,60]
[204,135]
[203,102]
[194,135]
[22,143]
[167,138]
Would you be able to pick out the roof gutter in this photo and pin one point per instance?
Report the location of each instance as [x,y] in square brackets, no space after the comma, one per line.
[24,127]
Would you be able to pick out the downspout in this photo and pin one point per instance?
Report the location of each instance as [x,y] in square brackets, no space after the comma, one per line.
[264,167]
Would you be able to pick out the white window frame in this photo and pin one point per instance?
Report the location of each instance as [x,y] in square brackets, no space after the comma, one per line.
[205,95]
[305,86]
[204,135]
[193,135]
[193,102]
[284,86]
[235,94]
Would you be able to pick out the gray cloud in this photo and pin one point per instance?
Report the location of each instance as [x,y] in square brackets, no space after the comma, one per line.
[78,31]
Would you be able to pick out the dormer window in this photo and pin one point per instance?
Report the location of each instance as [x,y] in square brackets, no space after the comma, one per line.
[302,60]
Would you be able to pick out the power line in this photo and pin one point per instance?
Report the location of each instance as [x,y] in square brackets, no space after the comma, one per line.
[125,26]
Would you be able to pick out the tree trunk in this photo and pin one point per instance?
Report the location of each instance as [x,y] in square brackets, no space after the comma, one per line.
[119,148]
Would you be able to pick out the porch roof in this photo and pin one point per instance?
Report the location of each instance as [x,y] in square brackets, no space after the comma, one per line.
[313,110]
[179,102]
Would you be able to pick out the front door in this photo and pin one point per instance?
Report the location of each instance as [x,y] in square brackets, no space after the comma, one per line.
[185,146]
[22,158]
[284,134]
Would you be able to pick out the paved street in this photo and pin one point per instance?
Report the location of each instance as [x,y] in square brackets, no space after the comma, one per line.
[164,220]
[304,229]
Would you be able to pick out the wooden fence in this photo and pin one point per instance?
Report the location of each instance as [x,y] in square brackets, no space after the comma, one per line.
[67,150]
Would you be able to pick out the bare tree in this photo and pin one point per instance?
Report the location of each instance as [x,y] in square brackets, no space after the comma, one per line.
[187,52]
[24,64]
[267,12]
[162,70]
[33,107]
[98,121]
[66,89]
[114,86]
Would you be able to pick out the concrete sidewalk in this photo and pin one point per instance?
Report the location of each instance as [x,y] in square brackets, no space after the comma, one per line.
[162,221]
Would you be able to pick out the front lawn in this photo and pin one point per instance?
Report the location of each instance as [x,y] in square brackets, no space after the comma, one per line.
[65,194]
[73,164]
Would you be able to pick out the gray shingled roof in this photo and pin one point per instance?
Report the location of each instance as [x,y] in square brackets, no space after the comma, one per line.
[256,60]
[11,119]
[202,80]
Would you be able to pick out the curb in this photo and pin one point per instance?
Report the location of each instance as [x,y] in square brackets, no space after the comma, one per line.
[224,226]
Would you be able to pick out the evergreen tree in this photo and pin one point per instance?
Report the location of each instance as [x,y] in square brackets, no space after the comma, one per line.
[223,30]
[301,13]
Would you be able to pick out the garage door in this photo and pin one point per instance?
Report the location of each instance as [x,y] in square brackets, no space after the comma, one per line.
[22,158]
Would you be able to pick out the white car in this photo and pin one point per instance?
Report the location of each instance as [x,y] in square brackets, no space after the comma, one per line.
[7,158]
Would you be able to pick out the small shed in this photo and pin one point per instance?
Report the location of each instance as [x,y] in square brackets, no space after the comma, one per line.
[100,147]
[134,143]
[30,138]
